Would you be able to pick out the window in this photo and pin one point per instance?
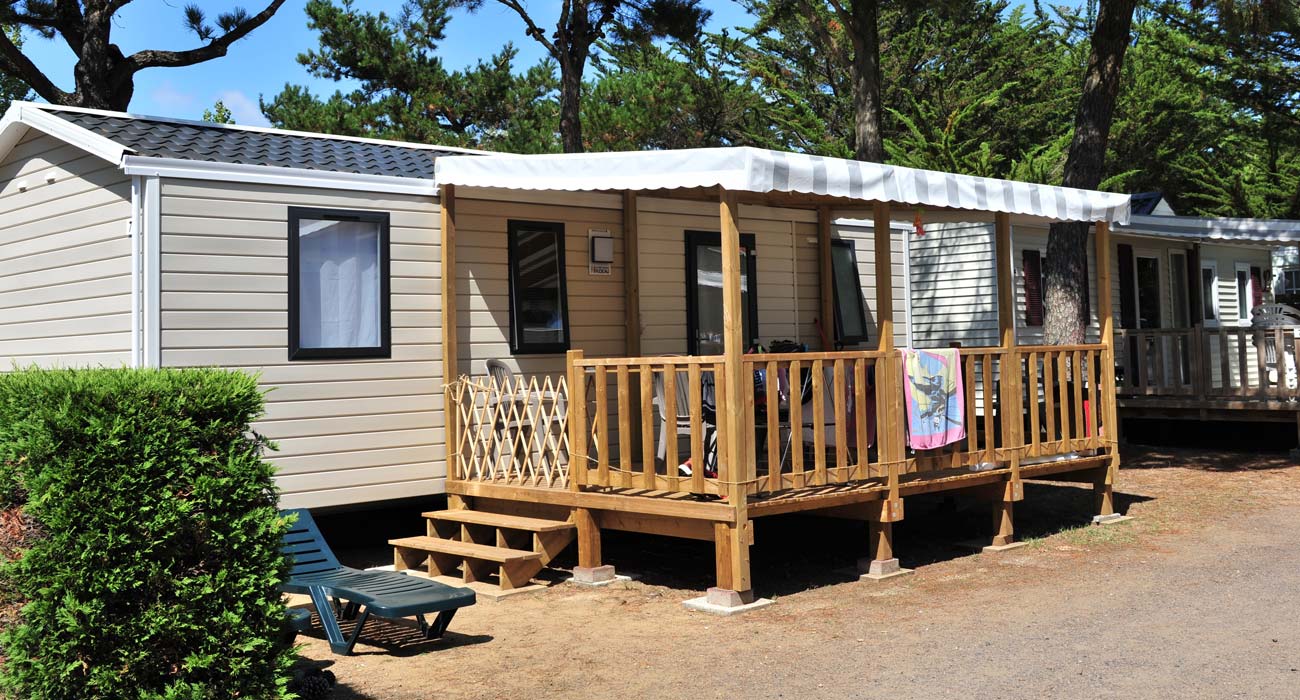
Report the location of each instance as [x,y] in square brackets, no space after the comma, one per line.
[1245,293]
[539,313]
[1032,265]
[704,292]
[338,284]
[1290,283]
[1210,292]
[1179,297]
[1146,272]
[850,314]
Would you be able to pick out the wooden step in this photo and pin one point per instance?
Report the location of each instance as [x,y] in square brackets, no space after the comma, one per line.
[468,550]
[510,522]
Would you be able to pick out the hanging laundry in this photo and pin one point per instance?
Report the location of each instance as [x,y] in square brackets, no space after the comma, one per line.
[932,389]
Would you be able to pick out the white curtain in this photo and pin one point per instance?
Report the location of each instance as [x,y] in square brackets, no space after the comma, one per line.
[338,300]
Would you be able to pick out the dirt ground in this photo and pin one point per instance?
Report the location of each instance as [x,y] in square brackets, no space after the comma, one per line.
[1197,597]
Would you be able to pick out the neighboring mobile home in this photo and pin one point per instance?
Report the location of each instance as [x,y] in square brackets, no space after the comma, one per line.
[563,304]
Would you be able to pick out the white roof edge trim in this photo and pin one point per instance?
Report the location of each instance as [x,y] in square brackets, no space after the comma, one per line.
[748,169]
[276,175]
[1214,229]
[258,129]
[32,116]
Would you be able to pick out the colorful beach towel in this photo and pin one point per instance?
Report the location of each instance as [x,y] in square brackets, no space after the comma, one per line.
[932,388]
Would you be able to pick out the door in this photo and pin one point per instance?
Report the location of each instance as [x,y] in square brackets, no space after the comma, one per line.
[704,292]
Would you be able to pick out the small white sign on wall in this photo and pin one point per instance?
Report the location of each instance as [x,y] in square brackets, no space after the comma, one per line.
[600,252]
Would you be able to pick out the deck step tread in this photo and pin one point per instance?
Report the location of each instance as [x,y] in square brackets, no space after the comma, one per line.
[469,550]
[510,522]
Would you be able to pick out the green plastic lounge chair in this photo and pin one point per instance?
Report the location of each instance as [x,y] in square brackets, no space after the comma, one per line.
[317,573]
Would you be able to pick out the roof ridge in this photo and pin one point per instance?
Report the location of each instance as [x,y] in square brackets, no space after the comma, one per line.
[55,109]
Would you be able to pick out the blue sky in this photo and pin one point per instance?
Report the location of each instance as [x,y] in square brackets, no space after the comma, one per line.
[263,62]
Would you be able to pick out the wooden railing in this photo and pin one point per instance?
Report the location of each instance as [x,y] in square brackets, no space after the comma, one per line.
[1204,364]
[818,419]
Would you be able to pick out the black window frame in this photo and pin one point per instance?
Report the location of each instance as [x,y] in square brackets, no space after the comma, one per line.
[692,273]
[517,346]
[840,337]
[385,347]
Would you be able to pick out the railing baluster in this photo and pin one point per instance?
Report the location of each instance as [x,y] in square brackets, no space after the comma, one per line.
[1261,363]
[601,416]
[671,459]
[1159,339]
[647,426]
[1063,397]
[1032,405]
[1093,363]
[968,374]
[1225,362]
[990,435]
[749,448]
[796,425]
[1049,394]
[1078,396]
[624,407]
[860,417]
[841,388]
[819,422]
[697,429]
[773,428]
[1243,367]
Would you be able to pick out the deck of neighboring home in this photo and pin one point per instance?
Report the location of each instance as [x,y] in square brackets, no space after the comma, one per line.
[1233,374]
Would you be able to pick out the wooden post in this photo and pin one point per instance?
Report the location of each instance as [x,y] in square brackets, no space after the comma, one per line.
[826,277]
[1010,400]
[1003,525]
[732,545]
[447,253]
[884,276]
[890,434]
[631,276]
[577,381]
[1105,484]
[590,570]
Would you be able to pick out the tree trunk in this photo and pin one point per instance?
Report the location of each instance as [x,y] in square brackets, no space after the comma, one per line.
[571,105]
[1067,243]
[864,72]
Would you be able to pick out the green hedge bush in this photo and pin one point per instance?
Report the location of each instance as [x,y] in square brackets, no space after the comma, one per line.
[156,572]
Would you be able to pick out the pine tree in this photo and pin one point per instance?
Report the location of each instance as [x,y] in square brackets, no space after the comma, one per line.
[104,77]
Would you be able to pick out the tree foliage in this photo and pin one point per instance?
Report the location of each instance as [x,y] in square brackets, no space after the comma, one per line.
[405,92]
[11,87]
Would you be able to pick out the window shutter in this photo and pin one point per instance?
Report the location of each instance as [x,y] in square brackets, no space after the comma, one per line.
[1256,286]
[1033,267]
[1194,288]
[1127,287]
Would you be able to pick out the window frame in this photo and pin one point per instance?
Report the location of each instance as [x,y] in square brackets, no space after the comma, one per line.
[385,347]
[840,337]
[517,344]
[713,238]
[1213,267]
[1139,254]
[1243,320]
[1292,289]
[1178,281]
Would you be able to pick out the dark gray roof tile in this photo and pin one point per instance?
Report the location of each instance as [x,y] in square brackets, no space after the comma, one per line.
[200,142]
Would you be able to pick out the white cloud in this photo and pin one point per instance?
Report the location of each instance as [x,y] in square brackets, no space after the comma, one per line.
[172,100]
[243,108]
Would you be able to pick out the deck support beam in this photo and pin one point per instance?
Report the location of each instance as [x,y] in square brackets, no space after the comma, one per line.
[1004,522]
[1011,398]
[590,569]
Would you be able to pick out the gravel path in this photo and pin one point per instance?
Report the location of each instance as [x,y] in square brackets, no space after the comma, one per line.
[1199,597]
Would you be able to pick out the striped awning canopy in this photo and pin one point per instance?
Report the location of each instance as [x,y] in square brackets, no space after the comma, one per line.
[1261,232]
[763,171]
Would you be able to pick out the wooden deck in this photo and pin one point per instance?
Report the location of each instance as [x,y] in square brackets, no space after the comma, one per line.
[1242,374]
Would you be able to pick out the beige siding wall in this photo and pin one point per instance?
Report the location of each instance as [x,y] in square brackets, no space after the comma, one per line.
[349,431]
[482,276]
[954,288]
[65,257]
[864,243]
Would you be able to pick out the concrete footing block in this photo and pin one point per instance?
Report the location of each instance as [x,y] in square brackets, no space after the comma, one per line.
[720,601]
[995,548]
[880,569]
[596,576]
[1110,519]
